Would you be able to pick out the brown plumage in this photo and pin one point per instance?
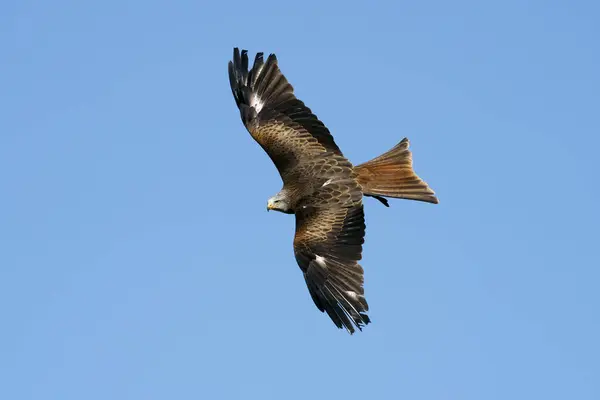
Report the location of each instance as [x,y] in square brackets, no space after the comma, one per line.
[320,186]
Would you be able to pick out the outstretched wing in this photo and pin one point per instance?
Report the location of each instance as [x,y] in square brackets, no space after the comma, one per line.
[330,230]
[284,127]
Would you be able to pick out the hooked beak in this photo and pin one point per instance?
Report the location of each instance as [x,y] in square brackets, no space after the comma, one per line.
[269,205]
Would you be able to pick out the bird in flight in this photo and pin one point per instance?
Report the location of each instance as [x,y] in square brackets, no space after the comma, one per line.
[320,186]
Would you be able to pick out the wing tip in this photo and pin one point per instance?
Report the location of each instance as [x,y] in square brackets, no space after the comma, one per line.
[263,82]
[346,311]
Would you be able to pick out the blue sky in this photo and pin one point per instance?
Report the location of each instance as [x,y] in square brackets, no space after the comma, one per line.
[137,258]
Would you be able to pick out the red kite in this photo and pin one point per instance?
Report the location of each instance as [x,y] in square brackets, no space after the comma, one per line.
[320,186]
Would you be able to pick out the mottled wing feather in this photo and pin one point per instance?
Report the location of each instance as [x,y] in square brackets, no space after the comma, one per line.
[282,124]
[330,231]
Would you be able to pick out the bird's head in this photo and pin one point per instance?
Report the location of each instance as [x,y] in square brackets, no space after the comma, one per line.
[279,203]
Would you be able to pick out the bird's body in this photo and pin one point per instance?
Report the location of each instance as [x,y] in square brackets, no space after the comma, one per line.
[320,186]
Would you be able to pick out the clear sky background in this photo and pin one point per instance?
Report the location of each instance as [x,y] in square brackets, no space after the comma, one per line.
[138,260]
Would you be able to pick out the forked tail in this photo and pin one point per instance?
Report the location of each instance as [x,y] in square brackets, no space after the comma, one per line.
[392,175]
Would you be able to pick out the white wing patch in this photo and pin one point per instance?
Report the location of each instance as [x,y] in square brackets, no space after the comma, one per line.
[321,261]
[256,103]
[352,295]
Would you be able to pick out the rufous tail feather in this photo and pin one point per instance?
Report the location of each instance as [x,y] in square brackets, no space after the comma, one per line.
[392,175]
